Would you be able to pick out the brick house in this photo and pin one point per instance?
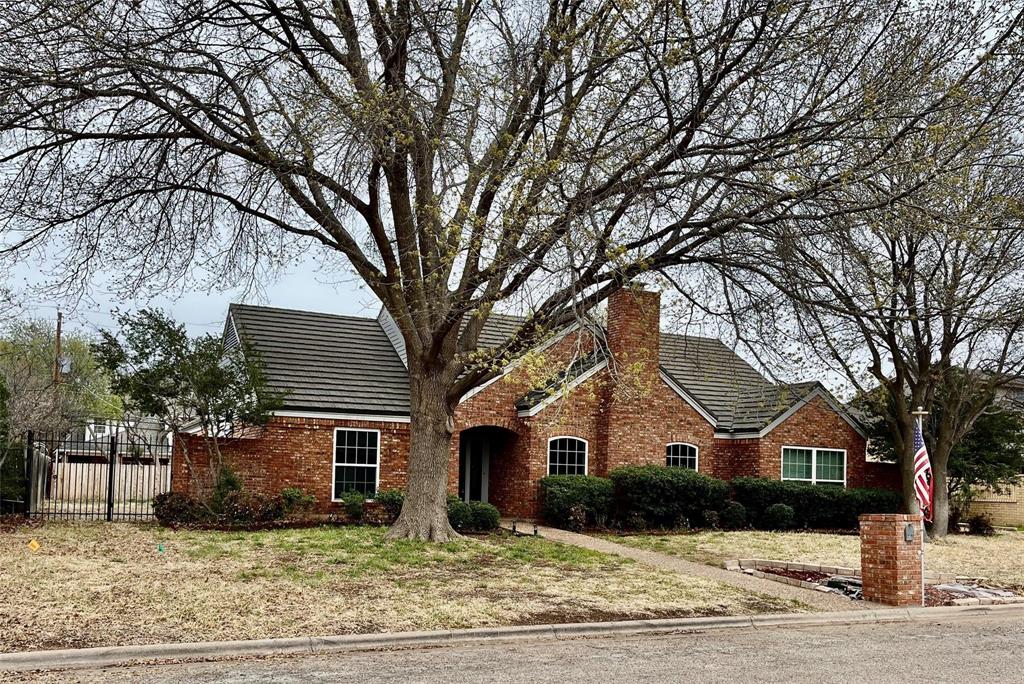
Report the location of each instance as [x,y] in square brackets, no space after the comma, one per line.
[587,401]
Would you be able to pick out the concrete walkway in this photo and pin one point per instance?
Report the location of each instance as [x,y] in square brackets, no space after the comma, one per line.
[816,599]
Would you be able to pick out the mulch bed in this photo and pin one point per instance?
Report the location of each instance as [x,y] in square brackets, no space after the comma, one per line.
[805,575]
[932,596]
[937,597]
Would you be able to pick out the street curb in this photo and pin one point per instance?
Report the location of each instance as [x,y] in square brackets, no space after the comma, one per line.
[212,650]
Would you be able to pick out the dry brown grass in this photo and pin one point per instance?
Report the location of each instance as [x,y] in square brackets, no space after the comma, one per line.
[999,558]
[99,584]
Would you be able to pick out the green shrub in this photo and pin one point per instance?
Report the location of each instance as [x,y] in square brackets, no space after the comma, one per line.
[560,493]
[666,497]
[733,516]
[227,482]
[577,521]
[472,516]
[485,517]
[354,504]
[980,524]
[295,501]
[814,506]
[711,520]
[390,502]
[247,508]
[779,517]
[174,508]
[460,514]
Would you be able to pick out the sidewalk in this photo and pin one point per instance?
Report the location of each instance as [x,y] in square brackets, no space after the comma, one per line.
[818,600]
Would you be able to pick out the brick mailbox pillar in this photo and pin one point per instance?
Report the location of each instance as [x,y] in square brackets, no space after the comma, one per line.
[890,563]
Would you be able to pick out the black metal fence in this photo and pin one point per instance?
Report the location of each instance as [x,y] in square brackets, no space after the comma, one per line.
[98,471]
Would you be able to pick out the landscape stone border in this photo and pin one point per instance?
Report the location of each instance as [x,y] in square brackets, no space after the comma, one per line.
[758,564]
[757,567]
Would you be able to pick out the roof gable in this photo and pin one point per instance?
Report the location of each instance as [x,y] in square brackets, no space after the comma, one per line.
[347,364]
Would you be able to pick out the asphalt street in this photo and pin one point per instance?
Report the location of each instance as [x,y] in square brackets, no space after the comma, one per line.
[989,649]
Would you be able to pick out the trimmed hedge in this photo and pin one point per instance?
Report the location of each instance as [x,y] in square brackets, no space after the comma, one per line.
[472,516]
[779,517]
[563,496]
[667,497]
[640,497]
[733,516]
[172,509]
[390,502]
[814,506]
[248,508]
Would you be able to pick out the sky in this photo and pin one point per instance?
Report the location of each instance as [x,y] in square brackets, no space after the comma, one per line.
[304,285]
[307,283]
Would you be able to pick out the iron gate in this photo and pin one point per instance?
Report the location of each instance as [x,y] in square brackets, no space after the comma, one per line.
[100,471]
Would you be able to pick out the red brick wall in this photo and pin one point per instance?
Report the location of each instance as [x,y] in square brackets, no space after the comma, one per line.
[891,566]
[736,458]
[814,425]
[294,452]
[628,415]
[512,485]
[883,475]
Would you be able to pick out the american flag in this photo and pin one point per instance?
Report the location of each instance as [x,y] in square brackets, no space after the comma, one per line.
[924,487]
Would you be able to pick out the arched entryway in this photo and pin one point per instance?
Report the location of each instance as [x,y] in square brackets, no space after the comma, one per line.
[481,451]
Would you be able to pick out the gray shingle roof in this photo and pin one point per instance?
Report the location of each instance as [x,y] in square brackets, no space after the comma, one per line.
[560,380]
[714,374]
[324,362]
[759,406]
[332,363]
[346,364]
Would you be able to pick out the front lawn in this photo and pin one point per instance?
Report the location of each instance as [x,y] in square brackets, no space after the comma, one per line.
[93,584]
[999,558]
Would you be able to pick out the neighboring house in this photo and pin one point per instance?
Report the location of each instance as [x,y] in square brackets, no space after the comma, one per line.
[1005,508]
[628,394]
[139,439]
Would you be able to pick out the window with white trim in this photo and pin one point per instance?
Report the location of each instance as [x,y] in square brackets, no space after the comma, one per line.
[681,455]
[356,461]
[567,456]
[817,466]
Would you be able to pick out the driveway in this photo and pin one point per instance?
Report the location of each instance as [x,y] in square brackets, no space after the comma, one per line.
[984,649]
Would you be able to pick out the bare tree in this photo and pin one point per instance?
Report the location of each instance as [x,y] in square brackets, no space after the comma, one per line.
[455,154]
[921,298]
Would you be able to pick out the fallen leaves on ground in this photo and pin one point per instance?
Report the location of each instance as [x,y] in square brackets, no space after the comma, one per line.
[92,584]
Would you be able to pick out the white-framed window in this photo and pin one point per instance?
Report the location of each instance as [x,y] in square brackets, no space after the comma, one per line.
[814,465]
[356,462]
[567,456]
[681,455]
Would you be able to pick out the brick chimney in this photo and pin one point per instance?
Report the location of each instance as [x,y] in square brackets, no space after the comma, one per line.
[625,428]
[634,324]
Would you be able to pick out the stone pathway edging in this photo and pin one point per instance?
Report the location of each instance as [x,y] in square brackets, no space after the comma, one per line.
[757,567]
[930,576]
[661,561]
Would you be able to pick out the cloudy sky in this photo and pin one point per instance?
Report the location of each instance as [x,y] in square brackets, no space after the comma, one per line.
[304,284]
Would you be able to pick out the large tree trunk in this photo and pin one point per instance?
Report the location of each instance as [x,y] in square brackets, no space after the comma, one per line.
[940,502]
[425,511]
[940,505]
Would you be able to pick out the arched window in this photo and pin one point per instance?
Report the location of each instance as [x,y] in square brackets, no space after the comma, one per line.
[567,456]
[681,455]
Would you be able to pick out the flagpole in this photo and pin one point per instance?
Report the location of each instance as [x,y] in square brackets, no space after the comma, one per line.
[920,413]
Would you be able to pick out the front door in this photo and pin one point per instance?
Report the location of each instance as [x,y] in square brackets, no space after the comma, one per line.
[474,468]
